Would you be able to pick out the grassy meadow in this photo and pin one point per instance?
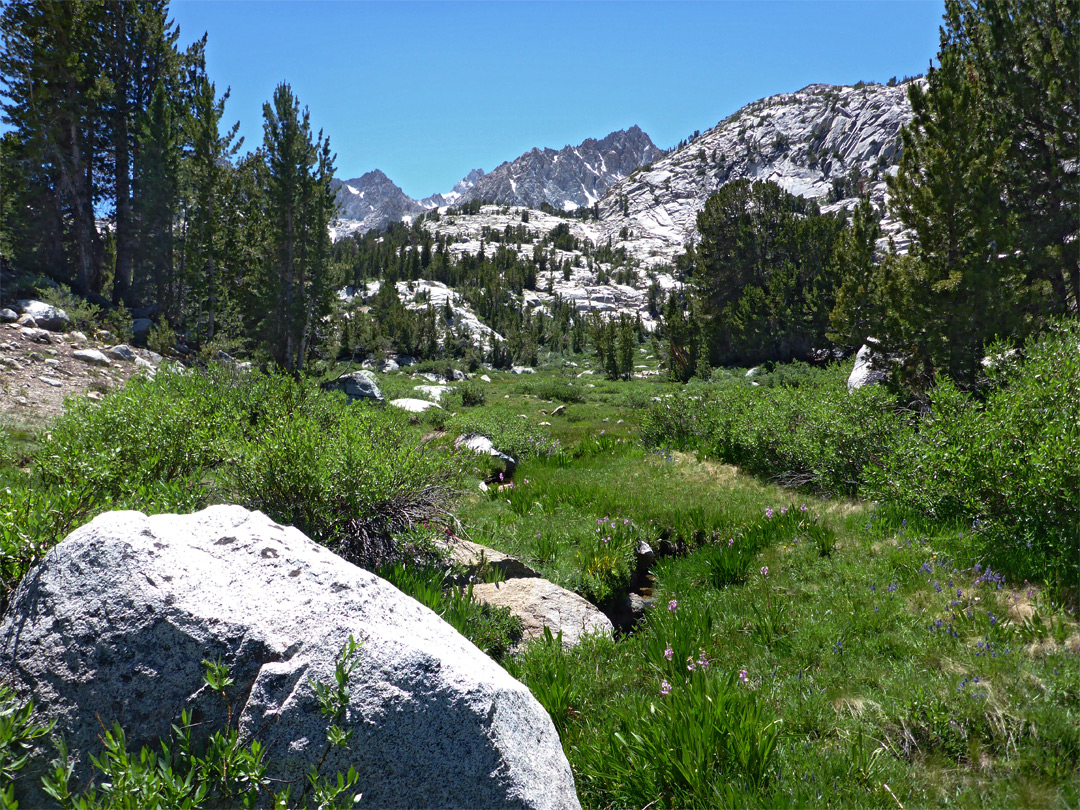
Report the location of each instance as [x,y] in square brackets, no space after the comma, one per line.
[852,605]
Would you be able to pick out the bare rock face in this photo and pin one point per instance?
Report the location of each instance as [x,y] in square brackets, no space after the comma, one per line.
[573,177]
[114,623]
[814,143]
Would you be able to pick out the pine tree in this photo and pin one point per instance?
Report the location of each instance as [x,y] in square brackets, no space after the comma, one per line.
[963,291]
[856,313]
[51,62]
[298,170]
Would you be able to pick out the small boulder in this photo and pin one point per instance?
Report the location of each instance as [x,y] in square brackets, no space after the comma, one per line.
[458,375]
[8,315]
[36,335]
[113,626]
[356,385]
[485,378]
[522,370]
[123,352]
[47,316]
[27,322]
[414,405]
[540,603]
[474,557]
[91,356]
[558,411]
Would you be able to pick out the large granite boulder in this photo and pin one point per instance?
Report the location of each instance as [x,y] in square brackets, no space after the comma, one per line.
[357,385]
[45,315]
[115,622]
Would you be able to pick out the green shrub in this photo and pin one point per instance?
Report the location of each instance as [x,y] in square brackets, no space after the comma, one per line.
[817,434]
[518,438]
[556,390]
[470,394]
[349,476]
[1007,467]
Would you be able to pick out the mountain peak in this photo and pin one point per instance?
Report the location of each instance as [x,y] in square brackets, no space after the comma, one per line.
[572,177]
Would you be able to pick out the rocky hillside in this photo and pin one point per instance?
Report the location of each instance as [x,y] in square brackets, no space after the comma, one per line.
[825,142]
[816,142]
[573,177]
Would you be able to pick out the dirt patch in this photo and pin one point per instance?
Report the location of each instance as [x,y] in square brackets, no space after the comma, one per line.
[39,372]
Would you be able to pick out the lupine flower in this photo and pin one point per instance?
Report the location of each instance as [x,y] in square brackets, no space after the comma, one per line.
[783,510]
[765,571]
[743,676]
[690,663]
[802,508]
[665,687]
[731,541]
[703,662]
[768,512]
[668,653]
[672,605]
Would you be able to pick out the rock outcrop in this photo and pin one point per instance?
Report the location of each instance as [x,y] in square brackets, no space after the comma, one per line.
[826,142]
[414,405]
[115,622]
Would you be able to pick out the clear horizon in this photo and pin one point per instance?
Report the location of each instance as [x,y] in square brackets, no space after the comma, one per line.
[427,91]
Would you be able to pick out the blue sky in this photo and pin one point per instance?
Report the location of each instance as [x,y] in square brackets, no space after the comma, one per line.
[427,91]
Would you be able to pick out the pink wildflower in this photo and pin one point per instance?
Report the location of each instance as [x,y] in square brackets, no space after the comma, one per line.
[672,605]
[665,687]
[743,676]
